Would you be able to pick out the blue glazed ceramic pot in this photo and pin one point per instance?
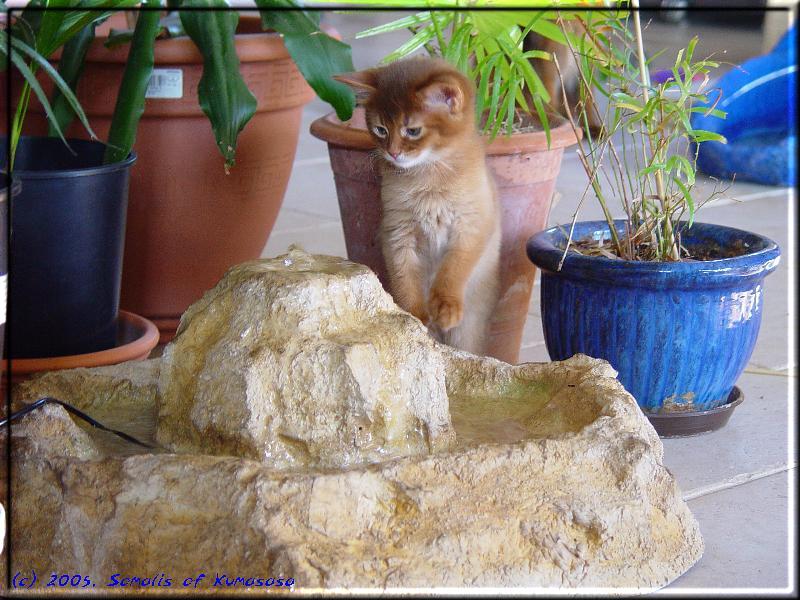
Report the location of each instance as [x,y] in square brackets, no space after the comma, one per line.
[679,334]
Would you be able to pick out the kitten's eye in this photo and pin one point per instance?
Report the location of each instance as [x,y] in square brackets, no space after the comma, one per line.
[413,132]
[380,131]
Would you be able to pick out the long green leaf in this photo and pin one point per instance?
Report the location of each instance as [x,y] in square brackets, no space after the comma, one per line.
[535,83]
[70,67]
[701,135]
[714,111]
[539,106]
[54,28]
[688,198]
[118,37]
[51,72]
[494,101]
[419,19]
[680,164]
[457,51]
[130,99]
[31,80]
[513,87]
[485,70]
[422,37]
[317,55]
[549,30]
[222,92]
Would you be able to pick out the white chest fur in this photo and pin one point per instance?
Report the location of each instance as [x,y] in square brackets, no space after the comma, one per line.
[435,219]
[431,214]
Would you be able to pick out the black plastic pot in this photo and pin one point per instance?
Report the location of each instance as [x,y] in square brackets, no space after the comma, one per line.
[67,237]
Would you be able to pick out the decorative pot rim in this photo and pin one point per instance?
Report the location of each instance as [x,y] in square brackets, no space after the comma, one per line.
[353,134]
[18,174]
[722,272]
[250,47]
[141,346]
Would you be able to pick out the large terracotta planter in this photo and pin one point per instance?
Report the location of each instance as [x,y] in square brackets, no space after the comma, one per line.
[525,171]
[188,221]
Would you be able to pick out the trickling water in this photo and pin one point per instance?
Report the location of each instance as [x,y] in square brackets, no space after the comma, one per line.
[140,425]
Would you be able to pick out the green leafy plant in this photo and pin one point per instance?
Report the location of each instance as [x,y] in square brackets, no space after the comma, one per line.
[488,46]
[223,95]
[33,38]
[643,154]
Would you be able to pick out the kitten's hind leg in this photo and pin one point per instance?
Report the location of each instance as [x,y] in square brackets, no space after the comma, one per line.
[472,334]
[467,335]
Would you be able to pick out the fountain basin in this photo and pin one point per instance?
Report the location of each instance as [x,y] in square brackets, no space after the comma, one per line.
[537,475]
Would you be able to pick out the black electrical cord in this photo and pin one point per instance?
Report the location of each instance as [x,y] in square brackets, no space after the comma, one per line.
[71,409]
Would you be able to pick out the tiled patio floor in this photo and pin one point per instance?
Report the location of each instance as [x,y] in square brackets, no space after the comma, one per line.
[736,480]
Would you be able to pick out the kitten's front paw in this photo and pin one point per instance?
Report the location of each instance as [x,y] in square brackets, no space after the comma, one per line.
[445,311]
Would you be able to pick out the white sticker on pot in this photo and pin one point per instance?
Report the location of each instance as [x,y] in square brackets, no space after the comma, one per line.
[165,83]
[3,285]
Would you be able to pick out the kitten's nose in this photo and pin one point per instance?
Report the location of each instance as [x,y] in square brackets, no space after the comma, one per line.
[394,154]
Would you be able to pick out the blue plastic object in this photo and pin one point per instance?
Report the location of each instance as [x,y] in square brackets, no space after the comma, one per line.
[759,99]
[678,333]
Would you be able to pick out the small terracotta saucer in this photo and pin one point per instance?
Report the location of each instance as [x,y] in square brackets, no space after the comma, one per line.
[685,424]
[136,338]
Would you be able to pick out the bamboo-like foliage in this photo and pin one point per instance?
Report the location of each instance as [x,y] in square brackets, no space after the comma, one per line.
[487,45]
[643,156]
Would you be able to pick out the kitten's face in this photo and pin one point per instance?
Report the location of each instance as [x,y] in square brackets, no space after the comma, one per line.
[403,138]
[415,109]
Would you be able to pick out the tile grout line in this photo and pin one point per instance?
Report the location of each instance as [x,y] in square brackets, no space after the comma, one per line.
[292,230]
[728,200]
[736,481]
[744,198]
[757,370]
[310,162]
[531,345]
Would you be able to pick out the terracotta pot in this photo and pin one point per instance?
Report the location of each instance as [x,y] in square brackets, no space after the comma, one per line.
[525,171]
[188,221]
[136,338]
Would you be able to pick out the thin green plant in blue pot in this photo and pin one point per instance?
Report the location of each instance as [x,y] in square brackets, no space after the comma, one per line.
[673,305]
[678,333]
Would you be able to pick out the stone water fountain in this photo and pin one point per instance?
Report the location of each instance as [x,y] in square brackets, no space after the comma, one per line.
[306,427]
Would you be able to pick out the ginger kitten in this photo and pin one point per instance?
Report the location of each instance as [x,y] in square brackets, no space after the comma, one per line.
[440,227]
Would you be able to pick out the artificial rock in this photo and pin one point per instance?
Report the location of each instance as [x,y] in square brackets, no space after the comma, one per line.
[308,428]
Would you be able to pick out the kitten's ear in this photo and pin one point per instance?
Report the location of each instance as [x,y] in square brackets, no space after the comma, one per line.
[445,94]
[361,82]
